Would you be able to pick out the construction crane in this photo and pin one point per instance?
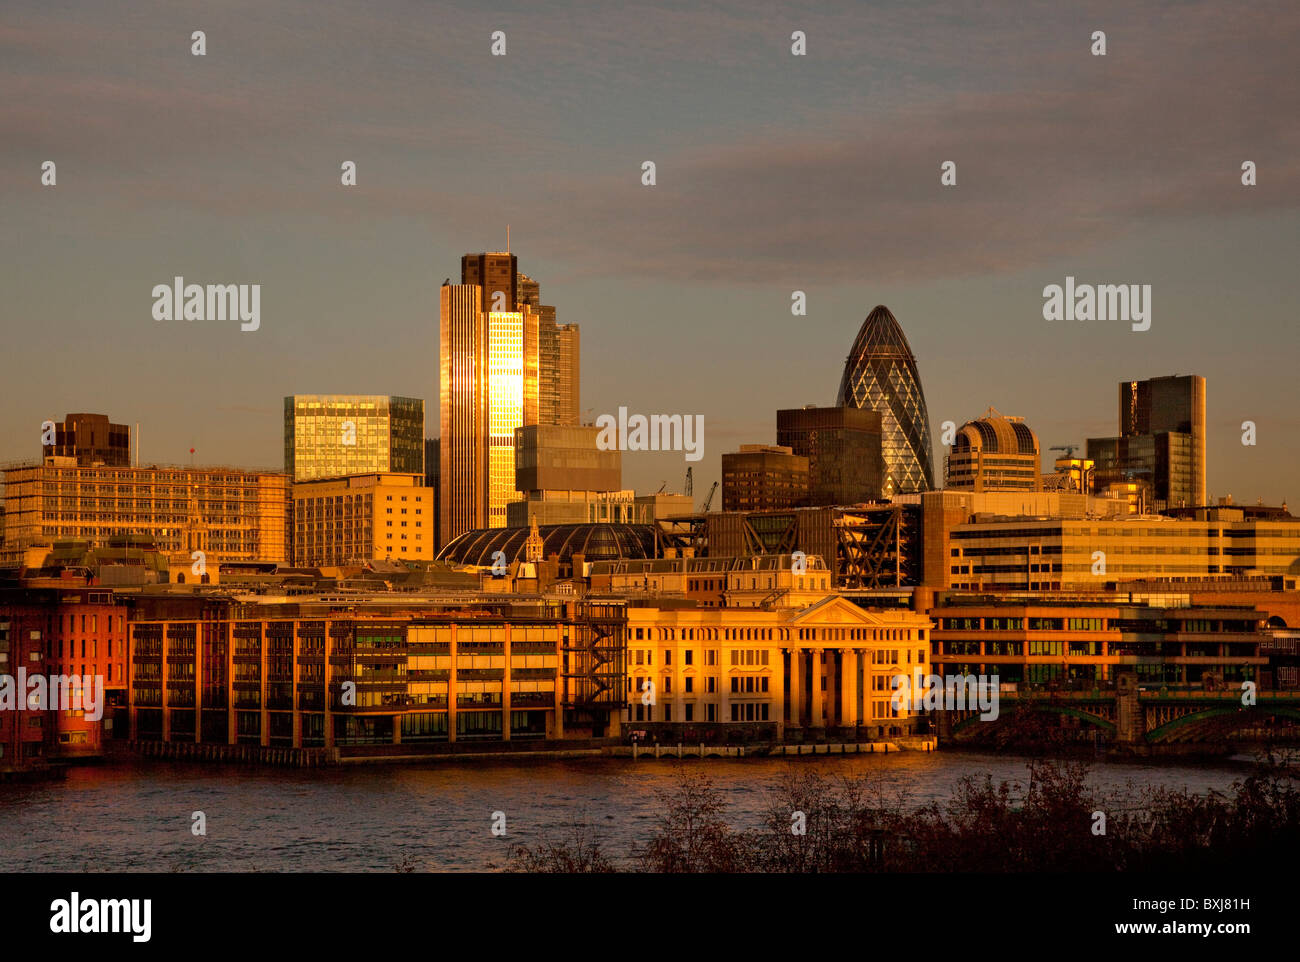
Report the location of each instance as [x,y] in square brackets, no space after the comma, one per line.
[709,500]
[1067,448]
[690,482]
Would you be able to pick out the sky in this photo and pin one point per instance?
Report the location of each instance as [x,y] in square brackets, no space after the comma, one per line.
[774,173]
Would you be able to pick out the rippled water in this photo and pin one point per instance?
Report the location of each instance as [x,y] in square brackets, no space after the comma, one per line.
[135,816]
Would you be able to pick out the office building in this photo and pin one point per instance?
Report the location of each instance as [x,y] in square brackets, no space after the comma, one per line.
[230,514]
[363,518]
[880,374]
[993,453]
[91,439]
[763,477]
[335,435]
[843,448]
[558,390]
[1161,441]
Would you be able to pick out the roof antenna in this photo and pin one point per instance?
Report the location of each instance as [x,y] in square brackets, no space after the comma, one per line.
[507,238]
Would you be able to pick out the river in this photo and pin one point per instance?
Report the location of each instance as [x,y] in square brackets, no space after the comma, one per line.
[136,815]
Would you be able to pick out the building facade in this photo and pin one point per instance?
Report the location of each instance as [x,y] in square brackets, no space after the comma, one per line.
[91,439]
[993,453]
[1161,441]
[698,672]
[229,514]
[368,517]
[336,435]
[843,448]
[762,477]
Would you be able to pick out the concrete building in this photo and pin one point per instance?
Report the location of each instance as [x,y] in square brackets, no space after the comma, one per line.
[229,514]
[764,477]
[367,517]
[91,439]
[993,453]
[336,435]
[843,448]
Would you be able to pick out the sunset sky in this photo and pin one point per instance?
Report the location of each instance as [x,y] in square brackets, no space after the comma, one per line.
[775,173]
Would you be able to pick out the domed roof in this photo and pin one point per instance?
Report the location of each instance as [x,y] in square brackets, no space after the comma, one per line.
[880,375]
[597,542]
[996,434]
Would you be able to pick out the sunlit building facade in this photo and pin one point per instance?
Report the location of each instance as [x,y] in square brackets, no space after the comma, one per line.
[335,435]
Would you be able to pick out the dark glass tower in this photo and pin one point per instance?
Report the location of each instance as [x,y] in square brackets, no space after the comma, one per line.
[880,375]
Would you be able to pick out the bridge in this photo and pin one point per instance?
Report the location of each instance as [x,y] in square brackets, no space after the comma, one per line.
[1128,717]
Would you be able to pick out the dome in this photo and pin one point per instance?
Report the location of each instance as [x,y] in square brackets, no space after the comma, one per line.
[597,542]
[880,375]
[996,434]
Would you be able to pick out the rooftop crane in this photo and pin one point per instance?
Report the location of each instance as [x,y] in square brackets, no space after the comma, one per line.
[709,500]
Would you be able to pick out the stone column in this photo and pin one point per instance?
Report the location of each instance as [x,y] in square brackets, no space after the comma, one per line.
[818,719]
[849,688]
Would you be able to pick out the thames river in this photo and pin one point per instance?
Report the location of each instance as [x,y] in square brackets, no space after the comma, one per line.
[137,815]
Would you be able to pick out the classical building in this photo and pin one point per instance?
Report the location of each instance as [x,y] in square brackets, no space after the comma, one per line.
[993,453]
[843,448]
[367,517]
[229,514]
[699,672]
[880,375]
[335,435]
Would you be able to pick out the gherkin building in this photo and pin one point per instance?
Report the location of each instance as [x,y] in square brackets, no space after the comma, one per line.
[880,375]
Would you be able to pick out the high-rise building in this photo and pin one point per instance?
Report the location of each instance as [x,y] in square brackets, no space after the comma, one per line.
[91,439]
[993,453]
[335,435]
[843,448]
[1161,441]
[558,359]
[763,477]
[496,273]
[880,375]
[433,481]
[488,374]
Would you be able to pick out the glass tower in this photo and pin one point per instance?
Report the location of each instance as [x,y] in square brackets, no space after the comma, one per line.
[334,435]
[880,375]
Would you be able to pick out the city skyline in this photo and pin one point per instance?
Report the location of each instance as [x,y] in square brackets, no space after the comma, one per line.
[729,231]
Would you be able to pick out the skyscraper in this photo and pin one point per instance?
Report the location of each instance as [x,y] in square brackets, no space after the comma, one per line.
[843,448]
[488,374]
[880,375]
[1161,440]
[334,435]
[558,360]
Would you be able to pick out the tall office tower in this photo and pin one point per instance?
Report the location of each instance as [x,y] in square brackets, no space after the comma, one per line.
[488,374]
[843,448]
[433,481]
[1171,405]
[334,435]
[993,453]
[880,375]
[558,381]
[1161,443]
[91,439]
[496,273]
